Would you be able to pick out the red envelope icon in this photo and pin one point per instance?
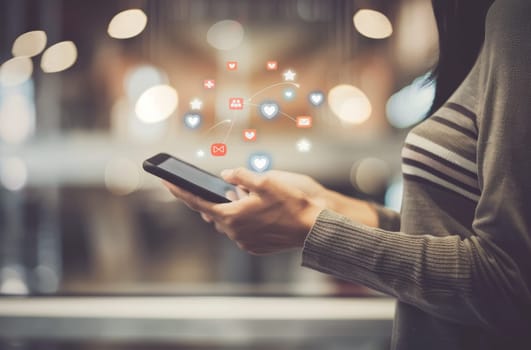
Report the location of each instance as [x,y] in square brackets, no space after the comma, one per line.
[218,149]
[304,122]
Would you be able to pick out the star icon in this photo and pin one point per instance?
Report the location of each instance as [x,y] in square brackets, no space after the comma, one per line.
[304,146]
[289,75]
[200,153]
[196,104]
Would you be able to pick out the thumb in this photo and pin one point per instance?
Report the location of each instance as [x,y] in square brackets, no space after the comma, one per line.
[243,177]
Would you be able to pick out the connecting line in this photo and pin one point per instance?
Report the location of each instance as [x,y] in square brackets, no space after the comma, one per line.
[230,130]
[216,125]
[272,86]
[284,114]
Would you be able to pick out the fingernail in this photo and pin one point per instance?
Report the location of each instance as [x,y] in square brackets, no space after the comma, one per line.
[226,172]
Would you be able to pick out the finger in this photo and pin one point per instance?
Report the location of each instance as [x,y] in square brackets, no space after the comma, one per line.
[194,202]
[243,177]
[206,217]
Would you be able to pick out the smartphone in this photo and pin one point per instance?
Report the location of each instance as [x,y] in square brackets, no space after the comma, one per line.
[189,177]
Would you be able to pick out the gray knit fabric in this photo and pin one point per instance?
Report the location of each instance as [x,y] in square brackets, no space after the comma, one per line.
[460,265]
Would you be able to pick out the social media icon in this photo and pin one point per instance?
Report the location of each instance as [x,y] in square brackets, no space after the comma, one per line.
[289,94]
[316,98]
[272,65]
[235,103]
[303,146]
[232,65]
[218,149]
[192,120]
[196,104]
[260,162]
[304,122]
[249,135]
[269,109]
[289,75]
[209,84]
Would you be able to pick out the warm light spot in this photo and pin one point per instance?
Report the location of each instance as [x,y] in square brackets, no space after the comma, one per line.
[59,57]
[17,118]
[372,24]
[122,176]
[370,175]
[349,104]
[16,71]
[13,173]
[156,104]
[141,78]
[127,24]
[29,44]
[225,35]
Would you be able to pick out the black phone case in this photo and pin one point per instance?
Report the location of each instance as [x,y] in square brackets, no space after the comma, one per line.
[180,182]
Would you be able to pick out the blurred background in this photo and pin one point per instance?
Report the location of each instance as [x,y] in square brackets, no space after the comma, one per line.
[89,89]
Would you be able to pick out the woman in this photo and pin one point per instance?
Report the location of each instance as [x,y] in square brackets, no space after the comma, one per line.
[458,258]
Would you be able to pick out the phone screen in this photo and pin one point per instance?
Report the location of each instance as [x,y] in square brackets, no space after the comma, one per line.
[196,176]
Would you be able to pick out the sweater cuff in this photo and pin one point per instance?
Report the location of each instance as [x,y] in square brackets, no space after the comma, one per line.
[345,249]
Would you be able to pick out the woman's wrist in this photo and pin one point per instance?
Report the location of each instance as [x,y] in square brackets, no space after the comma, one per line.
[355,209]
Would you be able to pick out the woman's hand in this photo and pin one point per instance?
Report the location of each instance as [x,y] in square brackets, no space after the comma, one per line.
[276,215]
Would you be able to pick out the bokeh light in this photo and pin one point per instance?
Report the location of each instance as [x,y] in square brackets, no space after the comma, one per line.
[370,175]
[16,71]
[394,194]
[372,24]
[17,118]
[127,24]
[349,104]
[29,44]
[141,78]
[225,35]
[409,106]
[59,57]
[122,176]
[13,173]
[156,104]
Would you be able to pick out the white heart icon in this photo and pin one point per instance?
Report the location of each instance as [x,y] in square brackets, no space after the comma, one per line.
[316,98]
[192,120]
[269,109]
[232,65]
[260,163]
[249,135]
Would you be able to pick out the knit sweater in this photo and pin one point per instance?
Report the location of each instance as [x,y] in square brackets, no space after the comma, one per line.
[458,257]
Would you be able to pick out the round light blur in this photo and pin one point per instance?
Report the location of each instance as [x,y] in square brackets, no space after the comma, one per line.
[122,176]
[372,24]
[370,175]
[127,24]
[29,44]
[394,194]
[17,118]
[409,106]
[349,104]
[16,71]
[156,104]
[141,78]
[12,280]
[59,57]
[13,173]
[225,35]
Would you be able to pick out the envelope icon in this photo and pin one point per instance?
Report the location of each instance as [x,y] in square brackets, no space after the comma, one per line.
[304,122]
[218,149]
